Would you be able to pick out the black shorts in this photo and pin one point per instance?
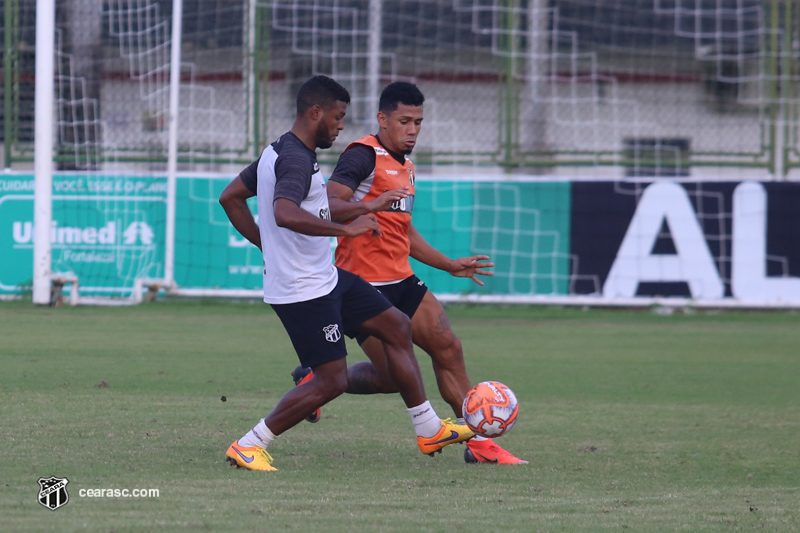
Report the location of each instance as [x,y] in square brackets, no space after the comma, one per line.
[405,295]
[316,326]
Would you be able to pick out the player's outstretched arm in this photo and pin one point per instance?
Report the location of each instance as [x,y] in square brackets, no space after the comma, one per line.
[464,267]
[234,201]
[289,215]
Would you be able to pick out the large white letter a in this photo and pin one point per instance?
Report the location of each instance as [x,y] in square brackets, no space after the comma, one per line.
[635,263]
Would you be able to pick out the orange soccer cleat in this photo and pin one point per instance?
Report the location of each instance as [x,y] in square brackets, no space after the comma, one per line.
[486,451]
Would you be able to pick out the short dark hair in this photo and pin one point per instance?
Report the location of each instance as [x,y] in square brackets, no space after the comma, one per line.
[399,92]
[320,90]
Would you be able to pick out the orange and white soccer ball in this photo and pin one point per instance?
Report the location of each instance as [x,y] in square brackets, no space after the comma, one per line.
[490,409]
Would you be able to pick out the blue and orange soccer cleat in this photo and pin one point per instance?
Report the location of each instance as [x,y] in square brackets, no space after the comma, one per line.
[486,451]
[450,433]
[301,375]
[252,458]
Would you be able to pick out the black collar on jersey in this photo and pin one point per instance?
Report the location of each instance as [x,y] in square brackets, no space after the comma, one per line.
[314,152]
[397,157]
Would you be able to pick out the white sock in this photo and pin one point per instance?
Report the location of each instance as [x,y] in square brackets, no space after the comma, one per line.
[426,421]
[476,438]
[260,436]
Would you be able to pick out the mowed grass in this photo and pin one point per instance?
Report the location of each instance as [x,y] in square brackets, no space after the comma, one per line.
[630,420]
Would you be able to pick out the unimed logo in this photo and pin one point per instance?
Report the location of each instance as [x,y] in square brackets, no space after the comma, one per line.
[138,232]
[133,234]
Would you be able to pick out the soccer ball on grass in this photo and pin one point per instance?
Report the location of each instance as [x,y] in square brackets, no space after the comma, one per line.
[490,409]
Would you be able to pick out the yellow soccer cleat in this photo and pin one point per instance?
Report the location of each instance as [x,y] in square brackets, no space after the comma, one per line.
[450,433]
[253,458]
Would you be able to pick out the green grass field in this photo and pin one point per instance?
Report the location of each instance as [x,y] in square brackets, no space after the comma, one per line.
[631,420]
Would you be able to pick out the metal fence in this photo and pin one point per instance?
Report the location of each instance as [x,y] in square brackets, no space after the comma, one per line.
[595,88]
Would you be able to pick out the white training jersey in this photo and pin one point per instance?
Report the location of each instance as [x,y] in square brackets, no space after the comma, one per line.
[297,267]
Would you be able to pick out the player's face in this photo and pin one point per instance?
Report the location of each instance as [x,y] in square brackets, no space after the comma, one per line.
[399,130]
[331,124]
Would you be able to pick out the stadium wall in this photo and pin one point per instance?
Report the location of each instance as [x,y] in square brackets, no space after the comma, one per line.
[462,122]
[626,242]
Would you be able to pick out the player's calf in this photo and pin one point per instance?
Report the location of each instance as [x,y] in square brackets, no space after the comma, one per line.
[302,375]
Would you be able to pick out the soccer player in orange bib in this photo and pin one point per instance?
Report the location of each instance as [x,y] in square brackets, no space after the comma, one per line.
[375,175]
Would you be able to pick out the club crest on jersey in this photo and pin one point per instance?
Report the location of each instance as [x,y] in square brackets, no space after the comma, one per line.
[332,333]
[325,213]
[411,177]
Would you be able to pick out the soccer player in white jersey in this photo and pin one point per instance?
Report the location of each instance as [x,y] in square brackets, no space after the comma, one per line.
[316,301]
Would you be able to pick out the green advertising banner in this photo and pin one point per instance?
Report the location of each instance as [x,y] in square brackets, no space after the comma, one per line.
[107,231]
[110,230]
[523,226]
[209,252]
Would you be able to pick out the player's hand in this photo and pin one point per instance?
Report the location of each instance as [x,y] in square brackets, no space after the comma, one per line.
[385,200]
[363,224]
[469,267]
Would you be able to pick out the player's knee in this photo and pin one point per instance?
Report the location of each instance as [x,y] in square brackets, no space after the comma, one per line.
[456,348]
[399,330]
[333,385]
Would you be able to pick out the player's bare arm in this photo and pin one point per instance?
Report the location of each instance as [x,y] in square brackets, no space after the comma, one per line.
[234,201]
[464,267]
[343,210]
[289,215]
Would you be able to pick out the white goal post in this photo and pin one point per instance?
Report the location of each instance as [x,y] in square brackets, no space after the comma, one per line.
[43,159]
[44,280]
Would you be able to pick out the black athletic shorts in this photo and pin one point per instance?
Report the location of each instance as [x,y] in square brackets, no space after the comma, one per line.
[405,295]
[316,326]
